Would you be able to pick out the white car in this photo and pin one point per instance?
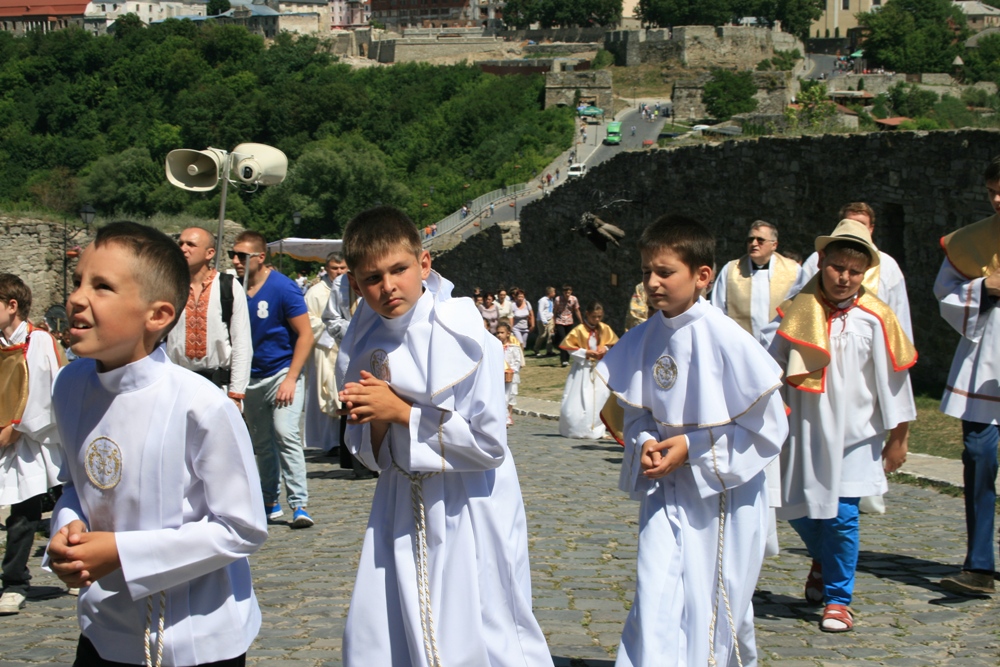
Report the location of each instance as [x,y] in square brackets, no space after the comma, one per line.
[576,170]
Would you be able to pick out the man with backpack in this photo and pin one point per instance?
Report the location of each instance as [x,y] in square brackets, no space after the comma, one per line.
[212,336]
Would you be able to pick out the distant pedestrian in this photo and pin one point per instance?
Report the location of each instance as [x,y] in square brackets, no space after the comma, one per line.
[434,229]
[492,208]
[557,175]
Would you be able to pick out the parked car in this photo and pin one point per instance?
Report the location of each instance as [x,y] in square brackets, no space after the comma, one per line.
[576,170]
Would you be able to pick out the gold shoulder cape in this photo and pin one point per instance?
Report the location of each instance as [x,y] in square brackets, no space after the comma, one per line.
[805,323]
[13,383]
[579,337]
[972,250]
[738,285]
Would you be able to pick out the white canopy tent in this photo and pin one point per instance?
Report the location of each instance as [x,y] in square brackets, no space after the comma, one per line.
[306,250]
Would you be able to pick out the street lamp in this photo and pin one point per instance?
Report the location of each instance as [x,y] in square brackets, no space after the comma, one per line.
[87,214]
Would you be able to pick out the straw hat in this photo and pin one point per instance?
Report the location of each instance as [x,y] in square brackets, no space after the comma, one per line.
[851,230]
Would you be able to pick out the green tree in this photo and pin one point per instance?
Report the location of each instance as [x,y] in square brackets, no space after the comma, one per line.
[667,13]
[216,7]
[729,93]
[911,101]
[914,35]
[121,183]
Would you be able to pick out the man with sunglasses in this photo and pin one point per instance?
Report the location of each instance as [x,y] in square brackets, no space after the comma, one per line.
[212,335]
[282,343]
[750,289]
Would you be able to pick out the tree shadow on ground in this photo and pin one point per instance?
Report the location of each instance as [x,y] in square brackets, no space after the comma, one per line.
[560,661]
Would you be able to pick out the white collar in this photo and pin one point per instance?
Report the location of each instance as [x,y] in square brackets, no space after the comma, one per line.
[136,375]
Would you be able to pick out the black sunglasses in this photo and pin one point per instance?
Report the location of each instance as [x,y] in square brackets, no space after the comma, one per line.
[242,255]
[759,239]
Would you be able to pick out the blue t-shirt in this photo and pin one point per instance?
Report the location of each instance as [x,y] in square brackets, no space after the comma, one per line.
[278,300]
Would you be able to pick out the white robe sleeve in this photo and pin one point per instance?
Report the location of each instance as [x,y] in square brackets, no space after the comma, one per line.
[719,291]
[242,343]
[725,457]
[38,422]
[895,396]
[155,560]
[333,315]
[897,299]
[961,301]
[639,427]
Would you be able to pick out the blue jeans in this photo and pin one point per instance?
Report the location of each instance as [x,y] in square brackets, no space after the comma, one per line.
[980,476]
[277,439]
[834,543]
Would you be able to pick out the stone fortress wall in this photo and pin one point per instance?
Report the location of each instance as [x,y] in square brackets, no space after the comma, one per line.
[32,249]
[922,186]
[727,47]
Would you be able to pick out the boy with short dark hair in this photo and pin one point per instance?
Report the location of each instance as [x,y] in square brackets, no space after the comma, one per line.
[443,577]
[29,442]
[845,357]
[162,501]
[703,418]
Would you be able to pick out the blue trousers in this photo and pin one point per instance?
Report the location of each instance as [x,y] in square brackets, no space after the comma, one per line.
[834,543]
[980,476]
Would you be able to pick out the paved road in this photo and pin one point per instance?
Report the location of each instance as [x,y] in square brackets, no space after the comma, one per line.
[583,540]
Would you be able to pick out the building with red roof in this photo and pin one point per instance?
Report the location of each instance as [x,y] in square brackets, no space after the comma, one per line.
[21,16]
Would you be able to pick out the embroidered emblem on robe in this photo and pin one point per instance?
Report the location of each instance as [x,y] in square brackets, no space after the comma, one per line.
[380,365]
[665,371]
[103,461]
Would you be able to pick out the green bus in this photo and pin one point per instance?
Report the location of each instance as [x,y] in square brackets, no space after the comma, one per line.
[614,133]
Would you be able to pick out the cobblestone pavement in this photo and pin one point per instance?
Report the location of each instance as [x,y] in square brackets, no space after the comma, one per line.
[583,539]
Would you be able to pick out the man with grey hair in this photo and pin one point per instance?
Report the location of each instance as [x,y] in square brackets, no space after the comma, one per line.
[750,289]
[321,421]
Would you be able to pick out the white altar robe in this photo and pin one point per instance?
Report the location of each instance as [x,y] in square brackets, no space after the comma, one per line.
[458,590]
[584,395]
[834,447]
[160,457]
[30,466]
[973,389]
[321,420]
[698,374]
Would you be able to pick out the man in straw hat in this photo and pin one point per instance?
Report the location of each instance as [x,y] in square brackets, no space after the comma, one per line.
[968,287]
[846,359]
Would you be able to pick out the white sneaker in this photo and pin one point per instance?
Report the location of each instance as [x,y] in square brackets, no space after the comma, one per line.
[11,603]
[75,592]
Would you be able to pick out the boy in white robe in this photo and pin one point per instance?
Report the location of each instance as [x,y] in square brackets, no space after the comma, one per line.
[29,442]
[162,503]
[703,418]
[846,358]
[443,577]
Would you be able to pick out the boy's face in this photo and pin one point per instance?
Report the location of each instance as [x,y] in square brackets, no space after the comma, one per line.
[392,284]
[109,318]
[842,275]
[671,285]
[8,314]
[594,318]
[503,333]
[993,192]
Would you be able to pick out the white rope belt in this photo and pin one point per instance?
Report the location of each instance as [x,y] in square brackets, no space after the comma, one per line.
[722,593]
[159,630]
[420,560]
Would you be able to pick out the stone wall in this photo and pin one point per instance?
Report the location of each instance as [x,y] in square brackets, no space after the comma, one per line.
[421,49]
[590,35]
[774,93]
[730,47]
[922,186]
[561,88]
[33,250]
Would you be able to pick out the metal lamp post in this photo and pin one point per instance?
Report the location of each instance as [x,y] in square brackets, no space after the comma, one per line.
[87,215]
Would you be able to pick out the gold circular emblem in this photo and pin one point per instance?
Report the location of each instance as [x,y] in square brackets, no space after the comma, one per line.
[104,463]
[380,365]
[665,371]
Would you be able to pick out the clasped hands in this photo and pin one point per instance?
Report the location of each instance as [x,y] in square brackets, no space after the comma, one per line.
[372,400]
[80,557]
[598,353]
[659,459]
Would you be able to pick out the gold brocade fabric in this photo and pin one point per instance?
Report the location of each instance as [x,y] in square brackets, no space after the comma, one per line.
[579,337]
[638,308]
[13,383]
[973,249]
[872,275]
[613,416]
[739,282]
[805,323]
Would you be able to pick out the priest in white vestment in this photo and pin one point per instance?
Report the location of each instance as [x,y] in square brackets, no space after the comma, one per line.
[321,420]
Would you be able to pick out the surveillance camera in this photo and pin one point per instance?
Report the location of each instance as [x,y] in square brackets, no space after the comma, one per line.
[247,170]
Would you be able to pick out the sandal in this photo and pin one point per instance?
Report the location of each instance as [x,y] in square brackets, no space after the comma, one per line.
[814,584]
[836,618]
